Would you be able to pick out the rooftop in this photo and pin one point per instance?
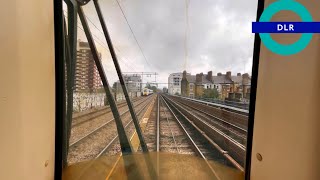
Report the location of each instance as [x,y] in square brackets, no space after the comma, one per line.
[218,79]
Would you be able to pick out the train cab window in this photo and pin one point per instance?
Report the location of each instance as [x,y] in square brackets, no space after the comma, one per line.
[142,96]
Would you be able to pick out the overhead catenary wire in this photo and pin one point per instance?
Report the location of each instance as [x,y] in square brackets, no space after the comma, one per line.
[114,76]
[79,27]
[96,27]
[103,45]
[186,49]
[134,36]
[119,53]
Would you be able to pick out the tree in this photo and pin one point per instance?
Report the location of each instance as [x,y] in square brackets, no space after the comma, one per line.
[154,88]
[211,93]
[148,86]
[114,86]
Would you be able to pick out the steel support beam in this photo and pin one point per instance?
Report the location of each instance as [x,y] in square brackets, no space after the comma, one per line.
[144,147]
[152,172]
[118,69]
[123,138]
[70,60]
[65,138]
[72,28]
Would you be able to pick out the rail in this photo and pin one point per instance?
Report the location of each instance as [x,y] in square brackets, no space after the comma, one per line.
[216,105]
[169,126]
[100,127]
[212,135]
[116,137]
[227,103]
[227,123]
[196,148]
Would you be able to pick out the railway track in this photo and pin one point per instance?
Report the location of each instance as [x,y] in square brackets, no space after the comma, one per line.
[169,130]
[91,145]
[228,145]
[226,107]
[164,133]
[174,126]
[128,125]
[232,117]
[80,131]
[171,138]
[235,132]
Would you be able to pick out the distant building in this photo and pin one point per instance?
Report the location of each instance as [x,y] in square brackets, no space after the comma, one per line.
[241,87]
[228,86]
[165,90]
[174,83]
[87,77]
[133,82]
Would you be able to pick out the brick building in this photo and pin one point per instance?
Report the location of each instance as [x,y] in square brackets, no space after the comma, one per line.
[87,77]
[228,86]
[241,87]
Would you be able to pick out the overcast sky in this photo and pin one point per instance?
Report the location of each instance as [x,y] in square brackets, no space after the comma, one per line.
[219,35]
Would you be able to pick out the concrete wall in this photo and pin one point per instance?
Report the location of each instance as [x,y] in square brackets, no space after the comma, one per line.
[83,101]
[121,97]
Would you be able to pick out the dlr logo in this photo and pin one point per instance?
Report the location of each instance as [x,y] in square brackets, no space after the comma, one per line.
[285,27]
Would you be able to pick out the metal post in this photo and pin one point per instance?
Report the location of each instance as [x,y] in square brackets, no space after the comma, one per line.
[60,89]
[65,126]
[72,30]
[70,59]
[117,66]
[124,141]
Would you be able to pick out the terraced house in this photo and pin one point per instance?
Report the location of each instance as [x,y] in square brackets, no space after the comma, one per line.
[228,86]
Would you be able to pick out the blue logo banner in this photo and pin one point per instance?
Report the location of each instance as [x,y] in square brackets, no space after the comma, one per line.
[286,27]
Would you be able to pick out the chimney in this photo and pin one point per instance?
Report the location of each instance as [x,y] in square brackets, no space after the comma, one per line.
[219,74]
[229,74]
[245,78]
[184,75]
[199,78]
[209,76]
[239,74]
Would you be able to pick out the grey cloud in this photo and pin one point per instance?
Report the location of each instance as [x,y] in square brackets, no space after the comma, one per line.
[218,29]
